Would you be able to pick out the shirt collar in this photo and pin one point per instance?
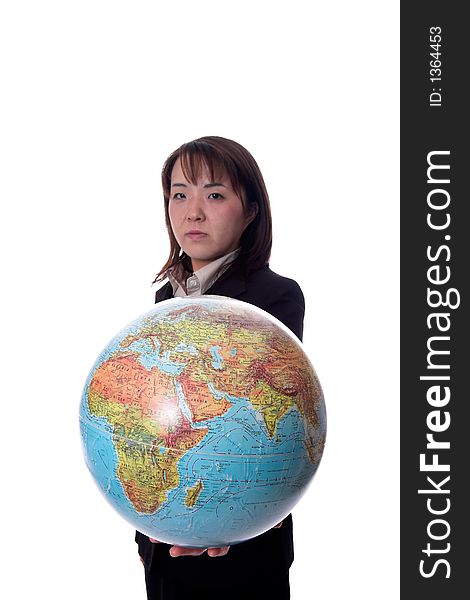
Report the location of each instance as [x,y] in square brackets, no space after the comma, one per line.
[197,283]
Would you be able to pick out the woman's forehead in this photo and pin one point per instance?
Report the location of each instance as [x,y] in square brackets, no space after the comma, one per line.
[195,167]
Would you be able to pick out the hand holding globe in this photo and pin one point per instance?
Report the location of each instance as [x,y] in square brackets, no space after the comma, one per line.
[212,552]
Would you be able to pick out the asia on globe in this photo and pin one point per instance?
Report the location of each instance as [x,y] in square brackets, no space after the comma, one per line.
[203,421]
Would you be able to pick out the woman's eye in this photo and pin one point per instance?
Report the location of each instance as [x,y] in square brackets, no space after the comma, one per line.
[178,195]
[216,194]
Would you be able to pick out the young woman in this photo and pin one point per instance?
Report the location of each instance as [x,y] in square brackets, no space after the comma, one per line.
[218,218]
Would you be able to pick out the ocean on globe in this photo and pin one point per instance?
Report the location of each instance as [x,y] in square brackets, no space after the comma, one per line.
[203,421]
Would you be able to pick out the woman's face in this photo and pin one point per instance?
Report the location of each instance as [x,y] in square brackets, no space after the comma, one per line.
[208,218]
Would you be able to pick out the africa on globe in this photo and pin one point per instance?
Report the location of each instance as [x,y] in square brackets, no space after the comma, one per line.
[203,422]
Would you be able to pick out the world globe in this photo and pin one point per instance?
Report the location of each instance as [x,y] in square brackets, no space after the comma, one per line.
[203,422]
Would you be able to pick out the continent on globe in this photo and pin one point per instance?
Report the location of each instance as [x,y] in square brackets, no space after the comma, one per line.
[192,494]
[123,392]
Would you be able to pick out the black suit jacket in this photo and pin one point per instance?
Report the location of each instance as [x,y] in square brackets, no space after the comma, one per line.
[271,552]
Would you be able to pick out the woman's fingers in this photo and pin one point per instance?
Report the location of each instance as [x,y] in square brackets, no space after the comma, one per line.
[222,551]
[212,552]
[180,551]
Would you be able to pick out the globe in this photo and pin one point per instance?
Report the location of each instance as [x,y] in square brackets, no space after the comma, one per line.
[203,421]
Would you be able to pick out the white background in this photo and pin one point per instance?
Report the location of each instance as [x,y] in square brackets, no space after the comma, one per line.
[95,96]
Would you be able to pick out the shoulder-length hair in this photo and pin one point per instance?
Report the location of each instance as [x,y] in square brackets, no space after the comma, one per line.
[221,156]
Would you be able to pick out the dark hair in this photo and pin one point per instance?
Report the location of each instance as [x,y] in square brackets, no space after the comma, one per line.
[221,156]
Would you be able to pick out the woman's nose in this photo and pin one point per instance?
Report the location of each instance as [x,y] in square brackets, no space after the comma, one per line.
[195,209]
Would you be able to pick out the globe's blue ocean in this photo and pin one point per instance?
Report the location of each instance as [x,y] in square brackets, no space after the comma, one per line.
[273,483]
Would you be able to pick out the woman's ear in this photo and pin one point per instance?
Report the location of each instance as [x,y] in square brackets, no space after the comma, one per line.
[251,213]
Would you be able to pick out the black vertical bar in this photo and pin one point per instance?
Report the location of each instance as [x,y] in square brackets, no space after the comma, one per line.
[435,270]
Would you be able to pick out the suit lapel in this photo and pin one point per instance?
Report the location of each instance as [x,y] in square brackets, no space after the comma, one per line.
[231,283]
[164,293]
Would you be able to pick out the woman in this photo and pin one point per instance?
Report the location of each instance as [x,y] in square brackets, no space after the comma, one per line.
[219,222]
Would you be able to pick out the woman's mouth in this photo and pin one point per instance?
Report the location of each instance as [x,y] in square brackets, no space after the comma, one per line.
[196,235]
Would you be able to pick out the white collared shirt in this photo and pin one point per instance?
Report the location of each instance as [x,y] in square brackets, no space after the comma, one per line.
[201,280]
